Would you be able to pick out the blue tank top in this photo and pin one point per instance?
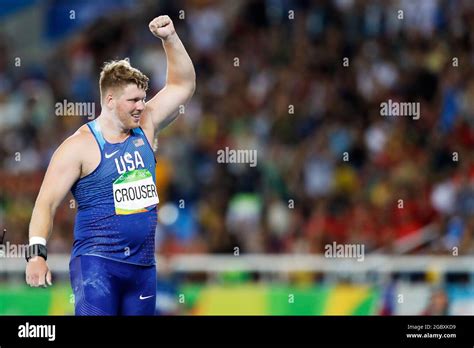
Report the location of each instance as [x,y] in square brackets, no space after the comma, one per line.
[117,215]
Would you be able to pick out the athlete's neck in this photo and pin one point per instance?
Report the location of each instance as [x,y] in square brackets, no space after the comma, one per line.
[112,130]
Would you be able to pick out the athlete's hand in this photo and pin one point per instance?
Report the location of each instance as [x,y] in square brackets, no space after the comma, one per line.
[38,273]
[162,27]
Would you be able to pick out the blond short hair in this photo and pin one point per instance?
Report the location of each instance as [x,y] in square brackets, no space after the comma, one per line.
[118,74]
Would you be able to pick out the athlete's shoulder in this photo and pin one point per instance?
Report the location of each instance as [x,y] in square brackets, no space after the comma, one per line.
[79,141]
[82,136]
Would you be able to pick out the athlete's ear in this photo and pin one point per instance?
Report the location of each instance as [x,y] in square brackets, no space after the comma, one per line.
[109,100]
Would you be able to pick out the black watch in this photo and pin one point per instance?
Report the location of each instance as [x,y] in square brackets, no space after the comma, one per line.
[36,250]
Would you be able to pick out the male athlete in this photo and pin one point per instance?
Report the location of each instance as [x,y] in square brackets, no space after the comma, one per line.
[109,166]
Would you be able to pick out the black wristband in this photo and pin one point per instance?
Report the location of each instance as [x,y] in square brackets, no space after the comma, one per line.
[36,250]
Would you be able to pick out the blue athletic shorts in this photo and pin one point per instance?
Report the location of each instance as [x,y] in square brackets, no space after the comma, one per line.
[106,287]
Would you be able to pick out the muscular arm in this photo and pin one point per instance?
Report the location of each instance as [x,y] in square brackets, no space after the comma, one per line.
[63,170]
[163,108]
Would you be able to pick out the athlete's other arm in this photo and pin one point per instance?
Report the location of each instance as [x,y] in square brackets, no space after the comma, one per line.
[63,170]
[163,108]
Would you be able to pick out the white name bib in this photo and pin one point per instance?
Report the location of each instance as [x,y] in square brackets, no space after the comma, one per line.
[134,192]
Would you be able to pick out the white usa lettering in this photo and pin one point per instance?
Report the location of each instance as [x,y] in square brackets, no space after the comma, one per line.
[128,162]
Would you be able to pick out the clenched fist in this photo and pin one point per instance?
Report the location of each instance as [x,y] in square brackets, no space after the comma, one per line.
[37,272]
[162,27]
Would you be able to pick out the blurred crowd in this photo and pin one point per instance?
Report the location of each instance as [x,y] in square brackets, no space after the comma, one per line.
[302,83]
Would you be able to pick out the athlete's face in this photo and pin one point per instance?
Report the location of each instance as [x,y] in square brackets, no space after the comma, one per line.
[129,105]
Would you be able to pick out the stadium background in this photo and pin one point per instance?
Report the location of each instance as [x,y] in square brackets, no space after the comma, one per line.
[271,77]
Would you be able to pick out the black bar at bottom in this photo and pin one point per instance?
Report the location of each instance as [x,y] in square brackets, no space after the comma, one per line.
[291,331]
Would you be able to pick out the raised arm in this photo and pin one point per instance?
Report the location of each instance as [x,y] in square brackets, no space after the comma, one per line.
[63,170]
[163,108]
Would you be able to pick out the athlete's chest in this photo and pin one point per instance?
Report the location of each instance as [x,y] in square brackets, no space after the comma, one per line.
[130,170]
[127,161]
[133,155]
[117,159]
